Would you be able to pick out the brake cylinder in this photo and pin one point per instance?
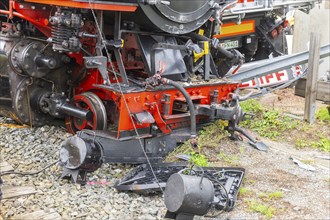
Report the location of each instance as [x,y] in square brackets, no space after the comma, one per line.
[188,194]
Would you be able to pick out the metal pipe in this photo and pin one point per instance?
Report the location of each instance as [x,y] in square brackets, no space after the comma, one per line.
[71,110]
[246,8]
[252,11]
[43,61]
[222,50]
[190,104]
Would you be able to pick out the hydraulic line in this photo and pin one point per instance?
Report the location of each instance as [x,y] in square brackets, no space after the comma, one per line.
[190,104]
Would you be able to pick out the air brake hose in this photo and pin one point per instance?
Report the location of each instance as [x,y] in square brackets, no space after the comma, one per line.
[190,104]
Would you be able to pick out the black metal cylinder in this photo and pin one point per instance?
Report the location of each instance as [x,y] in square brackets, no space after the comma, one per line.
[77,153]
[188,194]
[48,62]
[71,110]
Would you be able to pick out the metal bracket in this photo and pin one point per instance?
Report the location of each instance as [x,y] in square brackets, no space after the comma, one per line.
[100,63]
[144,118]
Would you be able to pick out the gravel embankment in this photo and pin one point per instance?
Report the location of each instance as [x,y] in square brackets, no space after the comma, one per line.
[29,149]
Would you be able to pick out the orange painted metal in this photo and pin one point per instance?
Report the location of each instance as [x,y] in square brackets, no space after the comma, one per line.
[232,29]
[151,101]
[43,28]
[87,5]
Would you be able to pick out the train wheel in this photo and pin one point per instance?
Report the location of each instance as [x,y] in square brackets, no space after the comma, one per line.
[92,102]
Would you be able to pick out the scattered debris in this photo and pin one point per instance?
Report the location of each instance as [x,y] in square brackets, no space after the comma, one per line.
[184,157]
[196,191]
[303,165]
[323,157]
[301,118]
[221,184]
[142,180]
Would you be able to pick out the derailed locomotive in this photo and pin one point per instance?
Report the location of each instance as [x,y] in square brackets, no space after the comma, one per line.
[133,79]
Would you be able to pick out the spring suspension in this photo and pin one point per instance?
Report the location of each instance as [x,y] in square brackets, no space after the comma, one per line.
[65,29]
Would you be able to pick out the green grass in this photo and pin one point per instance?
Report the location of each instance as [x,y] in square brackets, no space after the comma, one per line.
[267,123]
[322,144]
[184,148]
[230,159]
[301,143]
[245,192]
[211,135]
[323,114]
[271,196]
[199,160]
[263,209]
[252,106]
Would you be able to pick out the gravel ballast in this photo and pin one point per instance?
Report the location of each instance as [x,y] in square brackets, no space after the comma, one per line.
[305,194]
[29,150]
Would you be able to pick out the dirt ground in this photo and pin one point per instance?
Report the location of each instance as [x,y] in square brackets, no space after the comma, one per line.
[302,194]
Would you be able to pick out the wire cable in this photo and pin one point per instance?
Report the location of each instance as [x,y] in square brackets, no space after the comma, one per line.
[102,37]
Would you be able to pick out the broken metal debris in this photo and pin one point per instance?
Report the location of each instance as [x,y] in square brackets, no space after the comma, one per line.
[184,157]
[142,180]
[225,183]
[323,157]
[303,165]
[190,193]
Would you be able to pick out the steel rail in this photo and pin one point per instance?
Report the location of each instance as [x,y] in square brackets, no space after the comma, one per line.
[276,64]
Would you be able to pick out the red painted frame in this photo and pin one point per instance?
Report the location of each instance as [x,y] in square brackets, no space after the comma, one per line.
[150,101]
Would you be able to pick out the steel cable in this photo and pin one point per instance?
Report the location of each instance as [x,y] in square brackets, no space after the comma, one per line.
[122,94]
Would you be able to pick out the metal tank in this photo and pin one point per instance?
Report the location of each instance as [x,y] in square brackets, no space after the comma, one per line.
[179,17]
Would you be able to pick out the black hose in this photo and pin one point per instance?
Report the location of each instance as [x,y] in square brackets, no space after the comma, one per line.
[198,37]
[220,49]
[190,104]
[225,52]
